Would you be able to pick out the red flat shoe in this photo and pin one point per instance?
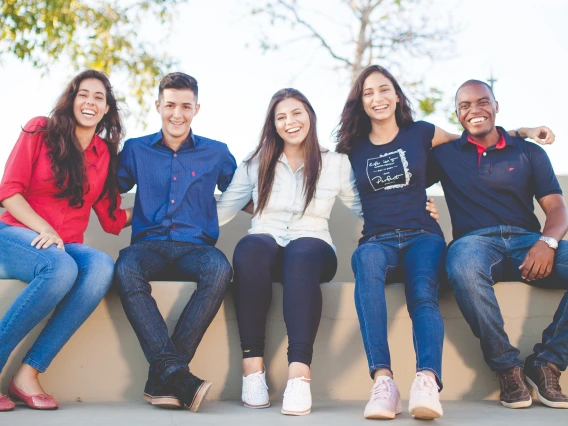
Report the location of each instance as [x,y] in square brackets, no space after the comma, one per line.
[38,402]
[6,404]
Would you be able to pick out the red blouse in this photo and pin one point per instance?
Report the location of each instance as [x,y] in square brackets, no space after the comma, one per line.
[28,172]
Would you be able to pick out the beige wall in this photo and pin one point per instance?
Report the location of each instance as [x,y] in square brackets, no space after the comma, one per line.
[103,361]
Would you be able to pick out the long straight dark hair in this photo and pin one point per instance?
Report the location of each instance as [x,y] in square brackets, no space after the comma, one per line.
[271,146]
[355,123]
[67,157]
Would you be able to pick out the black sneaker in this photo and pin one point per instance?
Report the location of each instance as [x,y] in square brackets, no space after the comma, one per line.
[155,392]
[514,391]
[189,389]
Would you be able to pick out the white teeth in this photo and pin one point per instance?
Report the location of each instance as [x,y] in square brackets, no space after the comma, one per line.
[381,107]
[477,119]
[293,130]
[88,112]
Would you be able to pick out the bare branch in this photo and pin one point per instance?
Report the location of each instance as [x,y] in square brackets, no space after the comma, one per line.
[315,33]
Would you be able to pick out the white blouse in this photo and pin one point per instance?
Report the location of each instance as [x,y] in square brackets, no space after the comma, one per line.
[282,217]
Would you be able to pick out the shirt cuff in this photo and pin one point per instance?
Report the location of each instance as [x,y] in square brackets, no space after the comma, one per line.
[118,224]
[8,190]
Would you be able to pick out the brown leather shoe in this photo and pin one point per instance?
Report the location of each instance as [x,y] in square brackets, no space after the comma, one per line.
[6,404]
[544,380]
[514,391]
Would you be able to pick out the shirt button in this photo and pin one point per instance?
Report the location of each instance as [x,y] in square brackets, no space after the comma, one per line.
[484,154]
[173,227]
[173,201]
[175,178]
[175,155]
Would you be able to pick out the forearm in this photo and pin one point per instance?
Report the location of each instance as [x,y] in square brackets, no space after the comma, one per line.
[128,212]
[523,132]
[556,224]
[18,207]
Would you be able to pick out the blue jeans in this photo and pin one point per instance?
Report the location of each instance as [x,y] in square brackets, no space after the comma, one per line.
[421,257]
[171,260]
[481,258]
[73,282]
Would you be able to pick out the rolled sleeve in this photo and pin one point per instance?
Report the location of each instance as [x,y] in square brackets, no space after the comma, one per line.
[110,225]
[18,171]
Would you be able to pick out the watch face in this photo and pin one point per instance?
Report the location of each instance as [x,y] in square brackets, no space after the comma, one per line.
[552,243]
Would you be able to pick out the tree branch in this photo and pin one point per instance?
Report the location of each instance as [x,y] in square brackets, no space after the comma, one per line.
[315,33]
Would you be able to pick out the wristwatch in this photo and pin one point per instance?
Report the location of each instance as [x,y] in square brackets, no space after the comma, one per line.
[551,242]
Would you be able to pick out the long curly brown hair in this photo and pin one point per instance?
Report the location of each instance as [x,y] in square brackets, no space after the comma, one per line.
[67,157]
[355,123]
[271,146]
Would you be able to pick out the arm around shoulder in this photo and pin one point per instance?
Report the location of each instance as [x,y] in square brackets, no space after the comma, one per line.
[237,195]
[348,193]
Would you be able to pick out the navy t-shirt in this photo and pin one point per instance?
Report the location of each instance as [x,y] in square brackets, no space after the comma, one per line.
[391,180]
[496,188]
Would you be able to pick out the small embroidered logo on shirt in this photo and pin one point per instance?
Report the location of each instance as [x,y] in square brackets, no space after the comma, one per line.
[192,173]
[511,169]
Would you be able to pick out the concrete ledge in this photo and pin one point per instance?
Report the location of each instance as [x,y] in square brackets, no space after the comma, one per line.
[103,360]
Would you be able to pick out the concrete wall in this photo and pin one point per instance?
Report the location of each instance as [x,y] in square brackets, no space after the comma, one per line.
[103,361]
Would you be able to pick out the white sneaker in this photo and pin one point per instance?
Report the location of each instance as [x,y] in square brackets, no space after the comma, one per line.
[297,397]
[425,398]
[385,400]
[255,391]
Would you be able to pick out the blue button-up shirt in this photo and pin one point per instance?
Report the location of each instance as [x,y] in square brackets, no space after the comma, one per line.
[175,189]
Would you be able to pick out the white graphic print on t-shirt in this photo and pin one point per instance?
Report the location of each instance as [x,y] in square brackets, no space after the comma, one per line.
[389,170]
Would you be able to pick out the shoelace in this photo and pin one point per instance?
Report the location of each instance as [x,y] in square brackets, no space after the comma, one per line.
[512,379]
[552,377]
[381,390]
[425,385]
[257,377]
[296,383]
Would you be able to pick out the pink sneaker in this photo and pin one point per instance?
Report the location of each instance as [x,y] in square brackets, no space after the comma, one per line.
[385,400]
[424,398]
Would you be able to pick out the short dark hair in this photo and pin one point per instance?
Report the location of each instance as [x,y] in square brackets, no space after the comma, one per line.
[179,81]
[471,83]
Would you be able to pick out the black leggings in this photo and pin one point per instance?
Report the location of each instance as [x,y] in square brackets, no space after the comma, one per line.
[301,266]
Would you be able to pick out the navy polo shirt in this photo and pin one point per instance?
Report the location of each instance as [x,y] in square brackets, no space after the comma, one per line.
[391,180]
[496,188]
[175,189]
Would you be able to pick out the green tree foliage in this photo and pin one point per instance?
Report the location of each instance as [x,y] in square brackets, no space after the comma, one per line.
[358,33]
[103,35]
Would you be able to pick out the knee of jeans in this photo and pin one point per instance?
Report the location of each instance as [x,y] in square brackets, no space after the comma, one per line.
[100,269]
[463,263]
[367,256]
[124,271]
[423,303]
[60,270]
[218,266]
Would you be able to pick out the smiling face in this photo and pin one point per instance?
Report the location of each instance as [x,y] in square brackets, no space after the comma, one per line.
[379,97]
[476,109]
[90,103]
[177,109]
[292,121]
